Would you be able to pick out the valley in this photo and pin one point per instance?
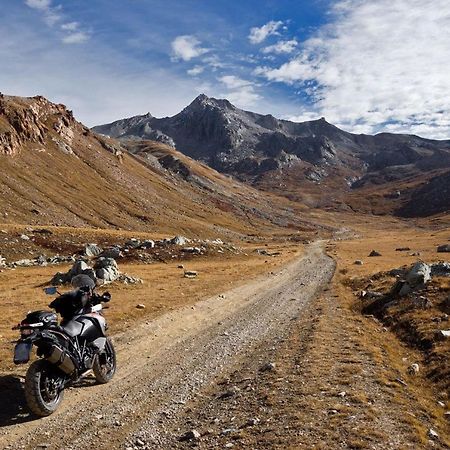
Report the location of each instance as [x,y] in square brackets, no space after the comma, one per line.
[246,325]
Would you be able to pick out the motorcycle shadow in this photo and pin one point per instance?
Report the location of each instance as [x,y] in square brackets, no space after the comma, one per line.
[13,407]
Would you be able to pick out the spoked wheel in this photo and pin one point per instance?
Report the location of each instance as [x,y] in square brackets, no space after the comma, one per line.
[44,388]
[105,363]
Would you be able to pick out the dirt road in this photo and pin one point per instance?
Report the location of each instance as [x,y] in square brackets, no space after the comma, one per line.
[166,362]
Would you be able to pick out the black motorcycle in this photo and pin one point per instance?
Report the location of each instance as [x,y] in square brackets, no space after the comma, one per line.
[68,351]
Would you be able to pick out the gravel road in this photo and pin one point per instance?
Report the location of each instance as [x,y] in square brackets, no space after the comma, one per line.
[166,362]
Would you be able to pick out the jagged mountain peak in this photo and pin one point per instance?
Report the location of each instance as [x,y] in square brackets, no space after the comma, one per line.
[202,101]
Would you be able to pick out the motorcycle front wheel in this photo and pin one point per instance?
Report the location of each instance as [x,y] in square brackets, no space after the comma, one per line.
[43,388]
[104,366]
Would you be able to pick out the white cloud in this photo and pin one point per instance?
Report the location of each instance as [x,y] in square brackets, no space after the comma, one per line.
[240,92]
[378,63]
[71,34]
[234,82]
[77,37]
[259,34]
[196,70]
[281,47]
[42,5]
[187,47]
[70,26]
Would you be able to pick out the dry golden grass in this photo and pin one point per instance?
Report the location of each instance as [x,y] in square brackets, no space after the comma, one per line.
[164,289]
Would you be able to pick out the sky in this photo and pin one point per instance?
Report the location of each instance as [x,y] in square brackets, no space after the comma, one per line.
[367,66]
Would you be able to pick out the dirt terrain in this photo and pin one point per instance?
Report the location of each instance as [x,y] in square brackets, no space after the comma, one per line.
[164,363]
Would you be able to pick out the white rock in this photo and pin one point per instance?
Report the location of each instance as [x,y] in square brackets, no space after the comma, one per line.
[432,434]
[413,369]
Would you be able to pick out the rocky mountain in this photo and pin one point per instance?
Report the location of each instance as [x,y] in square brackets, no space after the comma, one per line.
[287,157]
[55,171]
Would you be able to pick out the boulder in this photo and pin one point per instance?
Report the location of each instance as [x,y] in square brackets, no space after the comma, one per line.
[133,243]
[148,243]
[444,248]
[179,240]
[92,250]
[112,252]
[420,273]
[2,261]
[78,268]
[106,269]
[358,262]
[104,263]
[440,269]
[374,253]
[107,274]
[58,278]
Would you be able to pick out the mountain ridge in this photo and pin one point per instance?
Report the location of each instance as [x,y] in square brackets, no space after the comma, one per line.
[313,162]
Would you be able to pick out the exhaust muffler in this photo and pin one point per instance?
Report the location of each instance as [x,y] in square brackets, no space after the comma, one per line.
[61,359]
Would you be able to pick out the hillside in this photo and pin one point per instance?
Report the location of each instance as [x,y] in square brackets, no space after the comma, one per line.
[55,171]
[313,162]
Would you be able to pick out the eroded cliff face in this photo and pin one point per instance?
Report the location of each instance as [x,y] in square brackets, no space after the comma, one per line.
[25,120]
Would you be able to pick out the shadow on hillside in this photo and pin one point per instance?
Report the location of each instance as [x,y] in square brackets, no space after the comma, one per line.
[13,407]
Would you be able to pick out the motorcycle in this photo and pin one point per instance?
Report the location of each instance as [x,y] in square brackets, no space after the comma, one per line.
[67,351]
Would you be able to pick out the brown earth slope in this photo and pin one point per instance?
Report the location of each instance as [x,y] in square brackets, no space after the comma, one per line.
[55,171]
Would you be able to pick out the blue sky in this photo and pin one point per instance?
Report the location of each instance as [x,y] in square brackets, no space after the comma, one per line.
[367,66]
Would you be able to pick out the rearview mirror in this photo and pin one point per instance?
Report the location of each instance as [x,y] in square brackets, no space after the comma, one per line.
[51,290]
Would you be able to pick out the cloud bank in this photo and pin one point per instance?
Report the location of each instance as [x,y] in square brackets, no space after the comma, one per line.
[377,65]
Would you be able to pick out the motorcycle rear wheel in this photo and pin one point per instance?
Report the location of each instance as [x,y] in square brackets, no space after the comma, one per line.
[42,388]
[104,366]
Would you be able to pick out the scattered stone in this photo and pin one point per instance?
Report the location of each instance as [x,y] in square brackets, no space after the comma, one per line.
[413,369]
[358,262]
[374,253]
[432,434]
[194,250]
[229,445]
[180,266]
[414,254]
[444,248]
[24,237]
[2,261]
[92,250]
[140,306]
[24,263]
[402,249]
[233,391]
[268,367]
[252,422]
[128,279]
[140,443]
[442,335]
[342,394]
[190,274]
[192,435]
